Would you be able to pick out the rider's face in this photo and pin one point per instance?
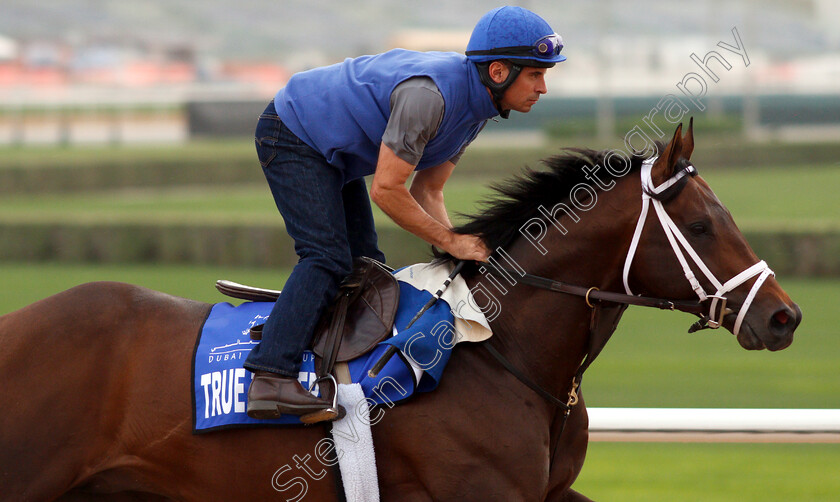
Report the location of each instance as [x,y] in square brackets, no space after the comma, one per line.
[525,90]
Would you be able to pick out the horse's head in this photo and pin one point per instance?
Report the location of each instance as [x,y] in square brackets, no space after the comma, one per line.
[685,230]
[684,245]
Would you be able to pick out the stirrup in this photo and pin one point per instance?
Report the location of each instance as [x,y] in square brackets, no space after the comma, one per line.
[334,412]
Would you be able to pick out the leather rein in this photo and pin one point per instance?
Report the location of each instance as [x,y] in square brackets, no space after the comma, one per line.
[593,293]
[589,295]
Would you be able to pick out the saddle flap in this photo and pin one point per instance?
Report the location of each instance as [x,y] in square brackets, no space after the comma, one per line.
[370,296]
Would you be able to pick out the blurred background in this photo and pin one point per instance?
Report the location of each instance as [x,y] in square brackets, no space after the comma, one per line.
[126,153]
[89,71]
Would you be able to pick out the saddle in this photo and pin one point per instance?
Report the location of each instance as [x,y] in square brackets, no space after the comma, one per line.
[361,315]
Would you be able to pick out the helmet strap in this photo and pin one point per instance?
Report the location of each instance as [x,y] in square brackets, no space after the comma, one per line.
[497,89]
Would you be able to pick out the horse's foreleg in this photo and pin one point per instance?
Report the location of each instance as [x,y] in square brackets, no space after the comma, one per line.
[568,455]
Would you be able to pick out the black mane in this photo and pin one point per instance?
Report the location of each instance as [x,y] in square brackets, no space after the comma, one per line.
[518,199]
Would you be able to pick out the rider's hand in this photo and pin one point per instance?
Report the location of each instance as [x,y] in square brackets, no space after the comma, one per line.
[468,247]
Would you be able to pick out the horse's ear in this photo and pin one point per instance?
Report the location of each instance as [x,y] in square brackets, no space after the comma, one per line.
[667,161]
[688,140]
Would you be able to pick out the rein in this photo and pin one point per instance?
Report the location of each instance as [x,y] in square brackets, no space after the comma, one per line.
[589,294]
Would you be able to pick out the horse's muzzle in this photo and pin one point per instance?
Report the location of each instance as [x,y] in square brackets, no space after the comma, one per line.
[772,332]
[782,324]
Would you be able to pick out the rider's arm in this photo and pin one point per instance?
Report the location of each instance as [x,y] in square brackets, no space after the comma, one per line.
[389,192]
[427,190]
[417,109]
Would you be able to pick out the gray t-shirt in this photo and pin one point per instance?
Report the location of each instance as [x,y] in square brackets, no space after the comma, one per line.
[417,108]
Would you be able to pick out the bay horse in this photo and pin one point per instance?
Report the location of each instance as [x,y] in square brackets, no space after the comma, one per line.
[96,395]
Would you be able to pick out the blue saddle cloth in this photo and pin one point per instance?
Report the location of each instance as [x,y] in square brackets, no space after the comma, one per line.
[220,383]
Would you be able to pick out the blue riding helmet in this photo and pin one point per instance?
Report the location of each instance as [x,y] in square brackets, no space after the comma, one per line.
[517,36]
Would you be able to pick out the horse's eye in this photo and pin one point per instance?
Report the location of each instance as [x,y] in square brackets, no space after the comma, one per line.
[698,228]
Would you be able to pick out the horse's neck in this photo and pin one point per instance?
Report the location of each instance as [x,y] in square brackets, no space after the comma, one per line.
[542,332]
[545,331]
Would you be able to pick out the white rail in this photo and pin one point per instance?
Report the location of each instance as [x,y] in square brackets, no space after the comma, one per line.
[715,425]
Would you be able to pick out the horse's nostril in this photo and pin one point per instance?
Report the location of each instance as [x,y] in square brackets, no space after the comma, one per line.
[781,317]
[783,322]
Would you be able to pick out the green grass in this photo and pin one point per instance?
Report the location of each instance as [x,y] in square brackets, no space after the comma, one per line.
[244,203]
[713,150]
[87,156]
[798,197]
[721,127]
[628,472]
[774,198]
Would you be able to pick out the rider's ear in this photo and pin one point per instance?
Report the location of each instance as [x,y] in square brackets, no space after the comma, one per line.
[664,166]
[498,71]
[688,140]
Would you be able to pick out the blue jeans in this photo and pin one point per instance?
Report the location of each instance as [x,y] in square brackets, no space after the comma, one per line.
[331,223]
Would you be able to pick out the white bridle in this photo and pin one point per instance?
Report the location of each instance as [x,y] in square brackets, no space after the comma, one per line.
[676,239]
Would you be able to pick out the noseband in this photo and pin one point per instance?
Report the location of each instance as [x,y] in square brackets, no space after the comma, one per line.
[652,195]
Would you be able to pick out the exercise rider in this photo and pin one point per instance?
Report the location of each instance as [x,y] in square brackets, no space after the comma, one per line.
[389,115]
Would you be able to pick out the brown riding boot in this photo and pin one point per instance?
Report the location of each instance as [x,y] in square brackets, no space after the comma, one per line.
[271,395]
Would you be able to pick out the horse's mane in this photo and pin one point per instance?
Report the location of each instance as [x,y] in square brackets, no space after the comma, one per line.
[516,200]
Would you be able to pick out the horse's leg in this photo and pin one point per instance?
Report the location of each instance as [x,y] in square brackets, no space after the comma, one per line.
[569,455]
[67,366]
